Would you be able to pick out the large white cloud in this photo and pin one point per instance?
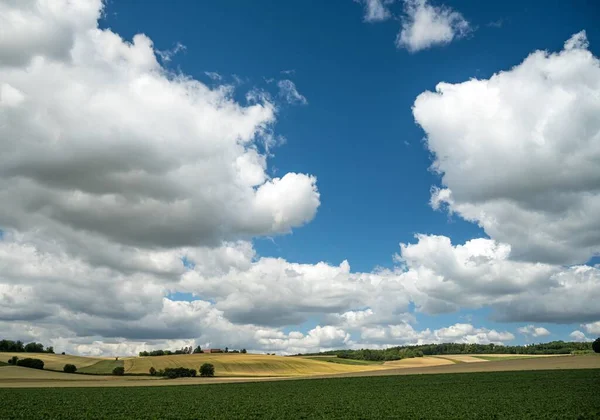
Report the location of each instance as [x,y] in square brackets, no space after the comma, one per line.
[592,328]
[97,137]
[519,153]
[424,25]
[441,277]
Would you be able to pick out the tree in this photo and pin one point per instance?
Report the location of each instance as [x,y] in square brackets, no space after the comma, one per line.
[70,368]
[596,345]
[63,353]
[31,363]
[244,351]
[119,371]
[198,350]
[34,348]
[226,349]
[207,369]
[50,350]
[13,360]
[152,371]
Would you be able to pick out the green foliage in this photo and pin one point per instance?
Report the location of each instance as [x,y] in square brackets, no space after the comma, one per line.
[402,352]
[557,394]
[198,350]
[152,371]
[596,345]
[179,372]
[20,347]
[243,351]
[207,370]
[13,360]
[69,368]
[119,371]
[183,350]
[31,363]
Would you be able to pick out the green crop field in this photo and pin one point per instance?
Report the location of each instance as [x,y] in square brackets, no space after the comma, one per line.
[560,394]
[102,367]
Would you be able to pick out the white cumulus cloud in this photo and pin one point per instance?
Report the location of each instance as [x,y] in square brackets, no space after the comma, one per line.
[519,153]
[425,25]
[532,330]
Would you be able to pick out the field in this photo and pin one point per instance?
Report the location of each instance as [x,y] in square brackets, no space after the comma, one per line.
[18,377]
[335,359]
[102,367]
[55,361]
[239,365]
[562,394]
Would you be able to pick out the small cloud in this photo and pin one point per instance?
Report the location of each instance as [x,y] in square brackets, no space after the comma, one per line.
[533,331]
[579,336]
[291,71]
[167,55]
[288,91]
[214,75]
[424,26]
[496,24]
[376,10]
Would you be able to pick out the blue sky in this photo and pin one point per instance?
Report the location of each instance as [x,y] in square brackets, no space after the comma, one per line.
[369,143]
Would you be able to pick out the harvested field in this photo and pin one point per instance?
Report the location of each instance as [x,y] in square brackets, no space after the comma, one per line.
[236,365]
[460,358]
[335,359]
[418,362]
[10,375]
[36,379]
[55,361]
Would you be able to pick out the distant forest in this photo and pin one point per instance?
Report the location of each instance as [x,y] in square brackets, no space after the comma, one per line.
[20,347]
[404,352]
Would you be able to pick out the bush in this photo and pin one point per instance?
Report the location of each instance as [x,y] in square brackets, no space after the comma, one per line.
[31,363]
[70,368]
[119,371]
[596,345]
[207,369]
[152,371]
[179,372]
[13,360]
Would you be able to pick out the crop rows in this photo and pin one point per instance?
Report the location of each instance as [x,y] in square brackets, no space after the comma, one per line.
[540,394]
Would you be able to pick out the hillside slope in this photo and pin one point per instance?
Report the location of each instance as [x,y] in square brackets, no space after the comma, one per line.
[245,365]
[55,361]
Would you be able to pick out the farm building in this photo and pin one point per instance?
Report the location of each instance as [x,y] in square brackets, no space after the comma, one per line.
[213,351]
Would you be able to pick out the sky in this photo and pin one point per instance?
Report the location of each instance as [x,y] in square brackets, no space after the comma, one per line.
[298,176]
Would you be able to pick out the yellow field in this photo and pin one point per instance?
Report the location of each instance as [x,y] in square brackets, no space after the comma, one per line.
[245,365]
[19,377]
[55,361]
[418,362]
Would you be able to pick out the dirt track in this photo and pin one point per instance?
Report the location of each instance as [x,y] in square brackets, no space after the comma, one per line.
[546,363]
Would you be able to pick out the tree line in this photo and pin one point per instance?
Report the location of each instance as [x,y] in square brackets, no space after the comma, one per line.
[402,352]
[20,347]
[183,350]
